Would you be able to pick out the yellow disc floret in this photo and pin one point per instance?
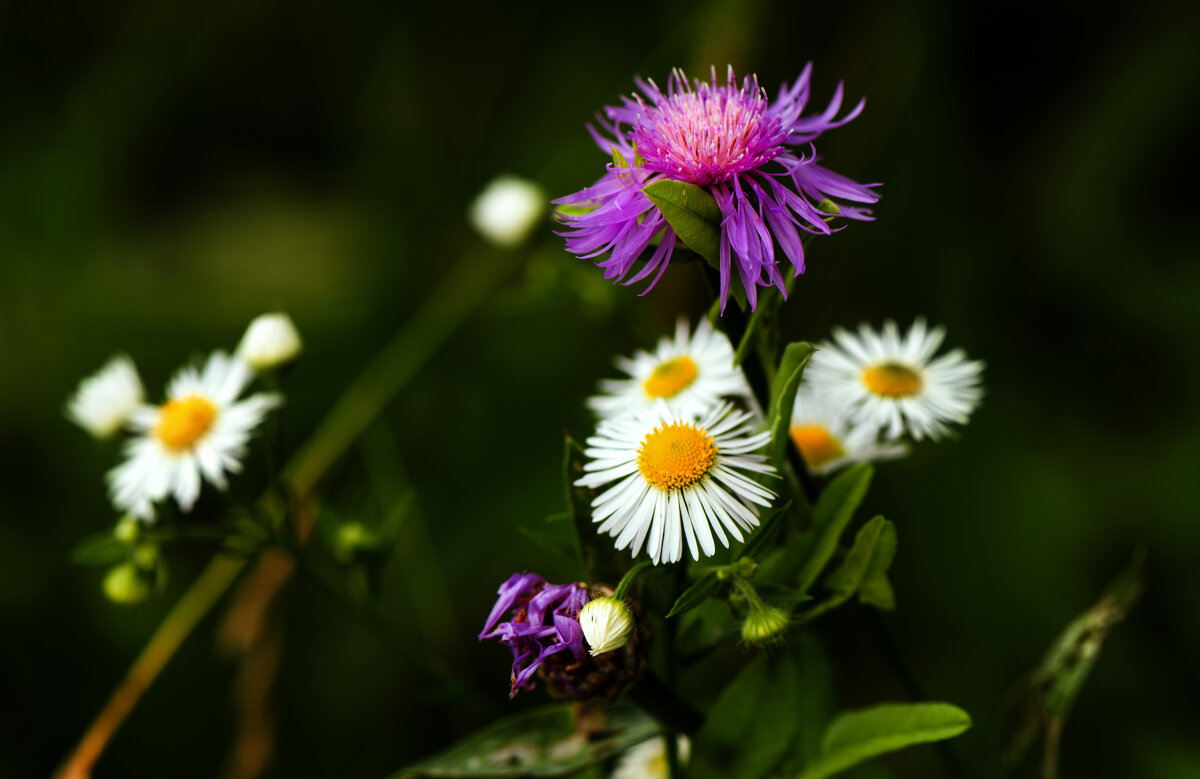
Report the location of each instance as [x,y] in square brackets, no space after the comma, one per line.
[670,378]
[817,445]
[892,380]
[184,421]
[676,455]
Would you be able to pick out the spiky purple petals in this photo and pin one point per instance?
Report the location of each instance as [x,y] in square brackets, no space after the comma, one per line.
[542,620]
[731,141]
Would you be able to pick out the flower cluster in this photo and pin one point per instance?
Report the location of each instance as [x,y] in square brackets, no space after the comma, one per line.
[754,156]
[862,394]
[673,452]
[199,432]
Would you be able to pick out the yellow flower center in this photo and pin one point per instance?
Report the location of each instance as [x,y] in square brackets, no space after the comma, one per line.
[184,421]
[670,378]
[892,380]
[676,455]
[817,445]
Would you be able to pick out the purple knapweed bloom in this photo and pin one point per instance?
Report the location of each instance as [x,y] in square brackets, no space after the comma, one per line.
[542,620]
[734,143]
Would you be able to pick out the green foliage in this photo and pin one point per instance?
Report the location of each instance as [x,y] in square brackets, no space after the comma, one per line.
[783,397]
[551,740]
[831,515]
[860,735]
[864,570]
[1053,687]
[771,714]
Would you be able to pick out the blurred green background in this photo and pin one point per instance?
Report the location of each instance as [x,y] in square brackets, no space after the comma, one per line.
[168,171]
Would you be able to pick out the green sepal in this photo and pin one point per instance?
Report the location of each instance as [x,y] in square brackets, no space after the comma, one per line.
[855,736]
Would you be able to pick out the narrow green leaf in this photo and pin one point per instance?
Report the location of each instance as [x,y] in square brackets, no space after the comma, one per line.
[547,741]
[860,735]
[692,213]
[832,513]
[864,570]
[783,397]
[693,596]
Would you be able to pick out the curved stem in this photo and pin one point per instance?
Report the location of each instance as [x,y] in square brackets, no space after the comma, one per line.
[443,312]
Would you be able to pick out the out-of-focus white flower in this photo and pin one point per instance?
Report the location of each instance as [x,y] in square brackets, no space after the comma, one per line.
[201,430]
[828,438]
[894,382]
[106,400]
[648,760]
[606,624]
[270,341]
[507,209]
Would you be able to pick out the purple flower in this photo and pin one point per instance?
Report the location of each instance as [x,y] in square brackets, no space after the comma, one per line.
[542,620]
[734,143]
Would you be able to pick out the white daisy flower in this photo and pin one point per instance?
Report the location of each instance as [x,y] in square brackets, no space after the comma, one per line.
[200,431]
[107,399]
[648,760]
[828,438]
[271,340]
[692,374]
[507,209]
[893,382]
[676,479]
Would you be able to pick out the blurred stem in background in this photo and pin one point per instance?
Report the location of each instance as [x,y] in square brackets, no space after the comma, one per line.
[460,294]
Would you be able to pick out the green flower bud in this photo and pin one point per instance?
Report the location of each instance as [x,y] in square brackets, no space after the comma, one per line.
[126,584]
[127,530]
[765,625]
[607,623]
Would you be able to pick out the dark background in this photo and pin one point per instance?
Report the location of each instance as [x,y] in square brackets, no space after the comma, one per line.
[168,171]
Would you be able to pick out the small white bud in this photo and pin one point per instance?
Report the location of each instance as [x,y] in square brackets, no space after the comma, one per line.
[606,623]
[270,341]
[507,209]
[105,400]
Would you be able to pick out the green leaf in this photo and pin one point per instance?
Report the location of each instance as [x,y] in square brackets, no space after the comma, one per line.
[860,735]
[832,513]
[865,568]
[547,741]
[779,703]
[692,213]
[99,549]
[693,596]
[783,397]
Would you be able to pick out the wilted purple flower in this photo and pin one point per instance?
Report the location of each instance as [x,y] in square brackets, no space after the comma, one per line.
[721,138]
[543,619]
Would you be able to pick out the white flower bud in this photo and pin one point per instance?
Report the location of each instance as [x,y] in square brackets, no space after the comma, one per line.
[105,401]
[507,209]
[606,623]
[270,341]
